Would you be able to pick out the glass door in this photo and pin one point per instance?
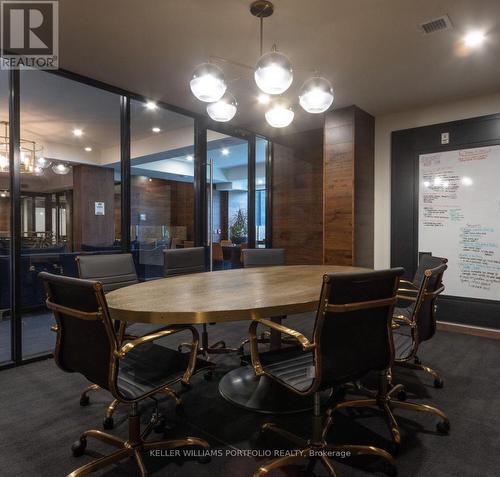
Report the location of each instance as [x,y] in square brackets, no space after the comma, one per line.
[227,199]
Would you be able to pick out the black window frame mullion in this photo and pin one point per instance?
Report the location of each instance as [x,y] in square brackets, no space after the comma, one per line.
[15,216]
[251,191]
[125,173]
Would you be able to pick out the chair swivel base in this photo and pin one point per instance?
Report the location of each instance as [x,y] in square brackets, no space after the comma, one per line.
[318,450]
[387,402]
[127,448]
[417,365]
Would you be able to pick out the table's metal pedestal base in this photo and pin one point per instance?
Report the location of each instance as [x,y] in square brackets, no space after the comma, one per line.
[261,394]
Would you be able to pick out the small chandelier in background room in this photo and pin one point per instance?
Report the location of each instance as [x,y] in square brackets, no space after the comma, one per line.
[273,75]
[31,156]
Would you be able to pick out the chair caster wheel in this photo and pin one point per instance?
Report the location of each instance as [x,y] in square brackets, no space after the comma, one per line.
[402,396]
[438,383]
[84,401]
[108,423]
[78,447]
[443,427]
[208,376]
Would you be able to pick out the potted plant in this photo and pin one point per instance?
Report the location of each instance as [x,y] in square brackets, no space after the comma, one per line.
[238,227]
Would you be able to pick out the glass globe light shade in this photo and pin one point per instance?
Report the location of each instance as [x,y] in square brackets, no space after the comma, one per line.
[316,95]
[273,73]
[42,163]
[61,169]
[208,83]
[224,109]
[280,115]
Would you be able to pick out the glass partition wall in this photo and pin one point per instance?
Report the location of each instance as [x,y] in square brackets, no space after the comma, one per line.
[227,199]
[70,187]
[100,170]
[162,185]
[261,159]
[5,232]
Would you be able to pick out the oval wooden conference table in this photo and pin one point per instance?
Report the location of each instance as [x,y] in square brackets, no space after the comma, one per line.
[224,296]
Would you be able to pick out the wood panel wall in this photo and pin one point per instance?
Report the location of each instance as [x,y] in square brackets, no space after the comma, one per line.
[164,202]
[348,182]
[93,184]
[297,197]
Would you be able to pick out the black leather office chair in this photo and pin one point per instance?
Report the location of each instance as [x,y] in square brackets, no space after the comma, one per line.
[415,314]
[113,271]
[183,261]
[352,336]
[87,343]
[263,257]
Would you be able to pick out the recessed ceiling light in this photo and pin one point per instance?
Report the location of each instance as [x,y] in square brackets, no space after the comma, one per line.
[263,98]
[156,130]
[151,105]
[474,38]
[150,180]
[225,151]
[88,149]
[77,132]
[189,157]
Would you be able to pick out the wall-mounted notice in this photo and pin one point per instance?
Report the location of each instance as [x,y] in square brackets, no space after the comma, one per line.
[459,218]
[99,208]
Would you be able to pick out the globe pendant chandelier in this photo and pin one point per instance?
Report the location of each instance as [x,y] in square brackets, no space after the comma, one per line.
[273,75]
[31,160]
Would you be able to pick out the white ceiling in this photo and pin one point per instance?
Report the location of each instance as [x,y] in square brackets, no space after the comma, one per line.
[372,50]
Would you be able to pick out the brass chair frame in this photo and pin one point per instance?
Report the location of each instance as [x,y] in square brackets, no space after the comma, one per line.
[315,448]
[120,327]
[136,442]
[411,294]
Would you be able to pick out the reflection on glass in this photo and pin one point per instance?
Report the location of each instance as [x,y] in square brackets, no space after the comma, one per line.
[228,210]
[71,204]
[5,321]
[261,147]
[162,186]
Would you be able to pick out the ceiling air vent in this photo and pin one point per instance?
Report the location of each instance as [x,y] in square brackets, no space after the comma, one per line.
[438,24]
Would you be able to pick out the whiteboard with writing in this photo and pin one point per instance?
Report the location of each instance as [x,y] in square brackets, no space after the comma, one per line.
[459,218]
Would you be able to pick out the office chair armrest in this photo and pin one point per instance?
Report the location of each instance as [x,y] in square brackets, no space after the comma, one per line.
[407,283]
[399,320]
[129,346]
[402,295]
[254,352]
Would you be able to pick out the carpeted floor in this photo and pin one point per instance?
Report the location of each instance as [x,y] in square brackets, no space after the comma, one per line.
[40,417]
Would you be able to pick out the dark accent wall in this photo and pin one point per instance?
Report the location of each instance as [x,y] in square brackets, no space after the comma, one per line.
[407,145]
[93,184]
[297,204]
[349,187]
